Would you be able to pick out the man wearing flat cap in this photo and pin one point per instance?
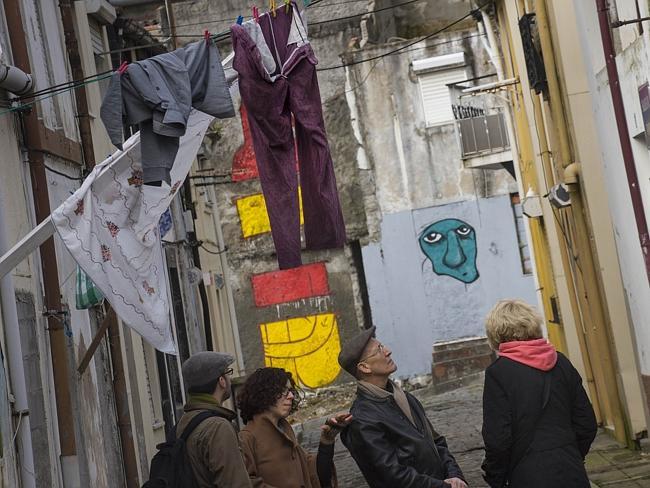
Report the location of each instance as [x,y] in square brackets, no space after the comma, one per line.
[390,436]
[213,447]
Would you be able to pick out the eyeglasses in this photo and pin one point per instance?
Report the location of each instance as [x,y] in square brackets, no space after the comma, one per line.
[285,393]
[380,349]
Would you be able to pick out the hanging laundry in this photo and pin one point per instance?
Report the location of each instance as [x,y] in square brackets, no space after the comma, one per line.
[274,86]
[157,94]
[110,226]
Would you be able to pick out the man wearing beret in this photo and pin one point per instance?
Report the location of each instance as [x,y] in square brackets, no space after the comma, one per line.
[213,447]
[390,437]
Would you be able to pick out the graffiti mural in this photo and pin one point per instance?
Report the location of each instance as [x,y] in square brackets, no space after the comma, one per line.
[254,217]
[450,245]
[307,347]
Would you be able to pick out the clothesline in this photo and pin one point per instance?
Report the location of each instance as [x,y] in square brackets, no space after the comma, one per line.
[74,84]
[320,22]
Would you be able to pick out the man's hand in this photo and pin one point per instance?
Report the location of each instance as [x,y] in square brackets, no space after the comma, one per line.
[333,426]
[456,483]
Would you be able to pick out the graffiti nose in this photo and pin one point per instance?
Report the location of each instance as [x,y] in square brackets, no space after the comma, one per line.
[454,255]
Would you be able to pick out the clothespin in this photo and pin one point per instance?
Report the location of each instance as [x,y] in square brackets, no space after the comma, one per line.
[256,14]
[123,67]
[240,20]
[206,36]
[272,7]
[287,5]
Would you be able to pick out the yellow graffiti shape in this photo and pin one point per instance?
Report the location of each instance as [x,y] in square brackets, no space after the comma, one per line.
[254,217]
[307,347]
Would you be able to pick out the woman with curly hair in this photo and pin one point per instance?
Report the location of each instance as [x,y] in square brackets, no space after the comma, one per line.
[272,455]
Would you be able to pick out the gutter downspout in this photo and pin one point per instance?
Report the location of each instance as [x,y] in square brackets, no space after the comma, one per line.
[16,366]
[50,273]
[623,133]
[588,281]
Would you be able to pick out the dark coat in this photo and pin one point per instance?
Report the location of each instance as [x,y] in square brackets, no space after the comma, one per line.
[393,453]
[550,443]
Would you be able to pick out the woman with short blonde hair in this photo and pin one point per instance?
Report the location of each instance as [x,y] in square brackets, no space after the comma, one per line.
[512,320]
[538,424]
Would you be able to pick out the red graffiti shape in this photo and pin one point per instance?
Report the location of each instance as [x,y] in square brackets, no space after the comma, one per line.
[289,285]
[244,166]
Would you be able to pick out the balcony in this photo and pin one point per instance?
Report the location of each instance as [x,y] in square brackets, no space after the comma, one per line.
[483,138]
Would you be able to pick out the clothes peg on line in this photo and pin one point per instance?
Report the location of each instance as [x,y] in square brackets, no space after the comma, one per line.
[123,67]
[256,14]
[272,7]
[206,36]
[240,20]
[287,5]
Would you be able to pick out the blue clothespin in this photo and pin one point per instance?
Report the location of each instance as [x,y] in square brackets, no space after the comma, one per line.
[240,20]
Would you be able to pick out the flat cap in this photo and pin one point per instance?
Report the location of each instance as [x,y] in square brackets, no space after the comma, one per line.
[204,367]
[353,349]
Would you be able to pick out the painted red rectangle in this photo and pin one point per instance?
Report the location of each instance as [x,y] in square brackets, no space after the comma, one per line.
[290,285]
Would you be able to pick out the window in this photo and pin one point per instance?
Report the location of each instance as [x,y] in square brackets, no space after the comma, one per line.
[434,74]
[520,226]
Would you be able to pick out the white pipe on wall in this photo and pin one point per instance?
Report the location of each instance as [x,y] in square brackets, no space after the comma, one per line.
[15,80]
[16,365]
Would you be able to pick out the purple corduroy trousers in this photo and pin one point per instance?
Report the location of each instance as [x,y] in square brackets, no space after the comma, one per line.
[271,99]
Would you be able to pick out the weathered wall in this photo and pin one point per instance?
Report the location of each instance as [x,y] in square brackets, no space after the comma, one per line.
[610,175]
[416,166]
[414,306]
[313,325]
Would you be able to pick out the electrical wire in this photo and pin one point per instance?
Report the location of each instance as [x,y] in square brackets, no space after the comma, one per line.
[73,178]
[399,49]
[216,253]
[54,93]
[95,78]
[320,22]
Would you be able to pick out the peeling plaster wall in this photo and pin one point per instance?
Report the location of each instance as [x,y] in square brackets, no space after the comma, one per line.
[254,254]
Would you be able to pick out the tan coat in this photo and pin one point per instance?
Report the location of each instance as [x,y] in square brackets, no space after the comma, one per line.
[273,457]
[213,449]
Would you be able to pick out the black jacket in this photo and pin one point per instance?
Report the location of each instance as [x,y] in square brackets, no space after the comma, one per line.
[530,447]
[393,453]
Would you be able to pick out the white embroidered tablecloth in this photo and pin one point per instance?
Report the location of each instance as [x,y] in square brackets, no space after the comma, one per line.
[110,226]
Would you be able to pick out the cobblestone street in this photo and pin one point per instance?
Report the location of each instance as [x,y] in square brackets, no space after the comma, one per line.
[457,416]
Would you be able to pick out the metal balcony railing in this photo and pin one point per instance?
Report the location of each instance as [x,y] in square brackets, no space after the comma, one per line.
[483,134]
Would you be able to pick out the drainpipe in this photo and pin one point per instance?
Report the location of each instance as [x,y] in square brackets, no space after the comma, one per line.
[623,132]
[16,366]
[586,280]
[52,292]
[15,80]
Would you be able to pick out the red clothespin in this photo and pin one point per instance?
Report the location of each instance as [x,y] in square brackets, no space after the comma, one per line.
[206,36]
[256,14]
[123,67]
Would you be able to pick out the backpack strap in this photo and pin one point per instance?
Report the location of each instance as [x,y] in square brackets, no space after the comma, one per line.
[194,423]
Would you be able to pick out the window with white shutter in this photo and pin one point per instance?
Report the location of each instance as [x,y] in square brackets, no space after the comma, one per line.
[434,74]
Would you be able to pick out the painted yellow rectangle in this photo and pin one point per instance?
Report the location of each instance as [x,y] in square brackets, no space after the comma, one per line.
[254,217]
[307,347]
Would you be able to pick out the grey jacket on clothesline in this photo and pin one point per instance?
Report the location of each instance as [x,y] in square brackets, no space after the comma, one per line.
[158,94]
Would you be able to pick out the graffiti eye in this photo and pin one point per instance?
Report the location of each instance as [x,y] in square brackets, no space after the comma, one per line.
[432,238]
[463,230]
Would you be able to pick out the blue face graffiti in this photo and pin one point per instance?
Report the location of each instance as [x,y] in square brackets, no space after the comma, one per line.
[450,245]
